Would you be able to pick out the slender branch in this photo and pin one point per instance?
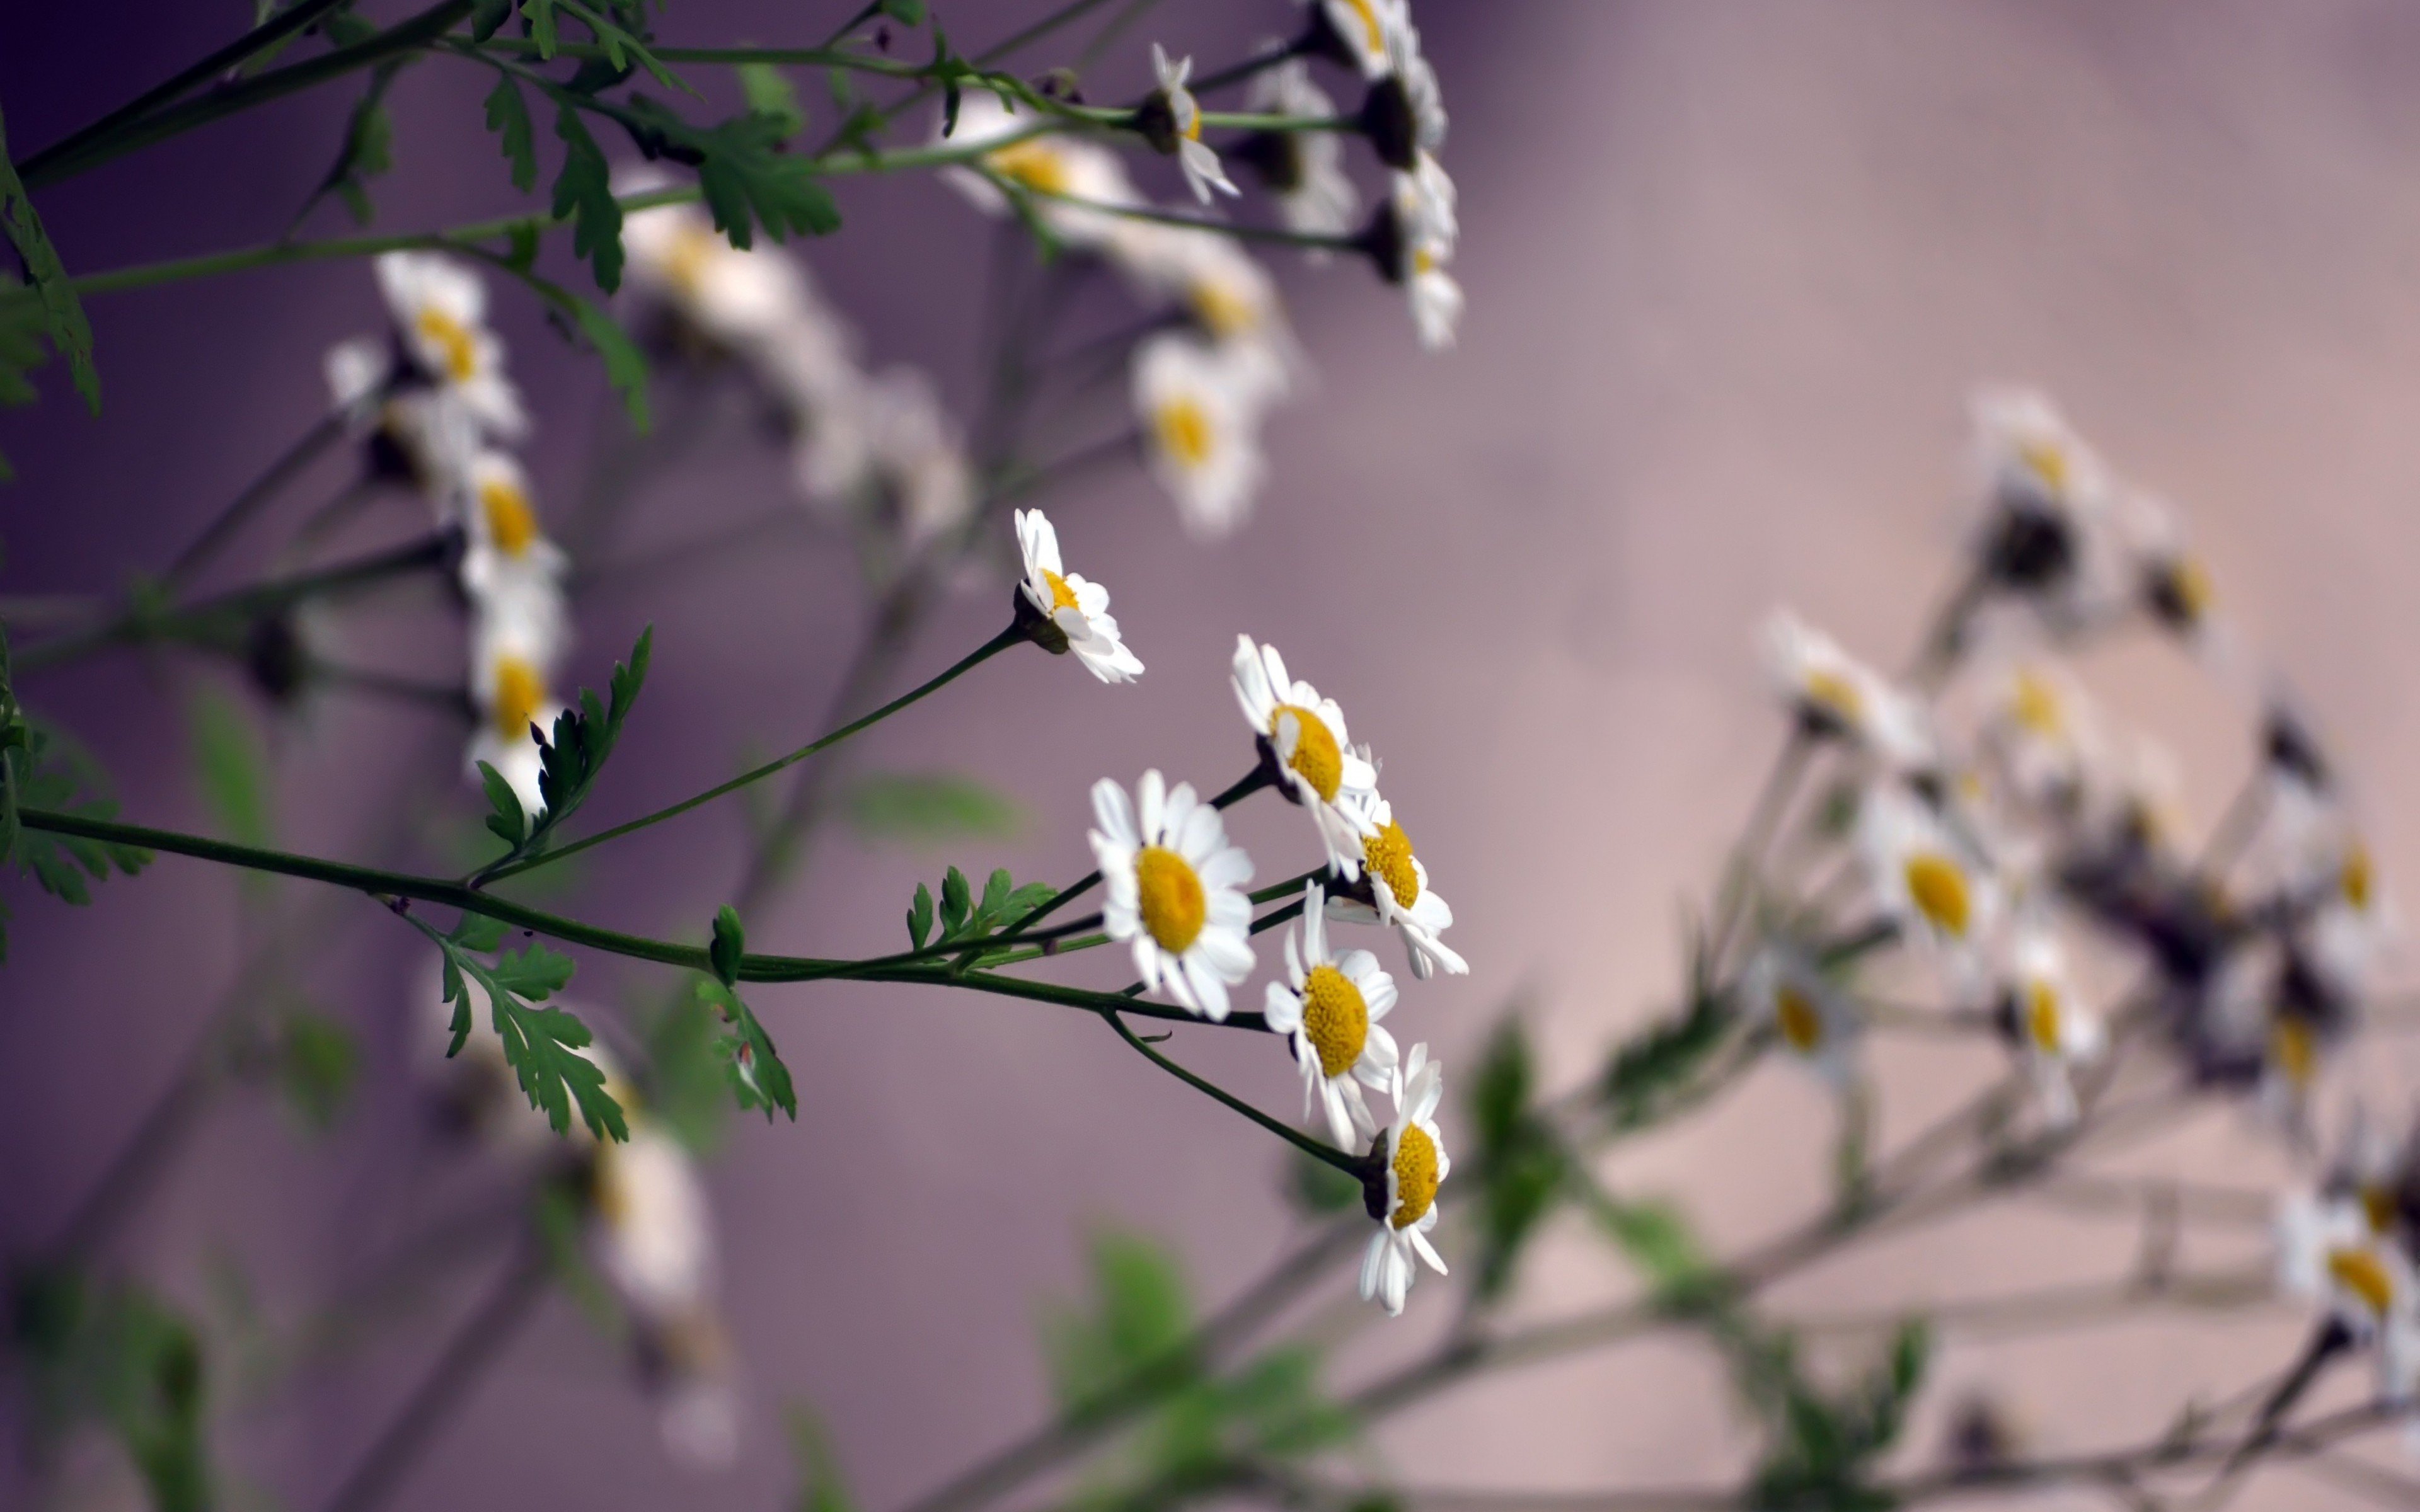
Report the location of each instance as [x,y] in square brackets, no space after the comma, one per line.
[1356,1167]
[240,509]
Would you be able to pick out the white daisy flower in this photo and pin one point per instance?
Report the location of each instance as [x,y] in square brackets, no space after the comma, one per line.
[2047,532]
[2043,738]
[1302,736]
[1077,609]
[515,640]
[1330,1005]
[420,435]
[2053,1032]
[1304,170]
[1201,416]
[1203,172]
[1231,299]
[1925,878]
[1065,176]
[1400,896]
[1417,1166]
[439,311]
[1358,30]
[1413,244]
[507,553]
[2328,1254]
[655,1235]
[1176,890]
[2371,1168]
[1420,104]
[2173,584]
[1834,694]
[735,299]
[1810,1016]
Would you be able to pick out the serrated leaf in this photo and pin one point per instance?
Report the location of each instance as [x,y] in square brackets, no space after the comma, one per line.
[486,16]
[759,1078]
[583,190]
[995,893]
[955,903]
[919,916]
[541,1045]
[771,94]
[569,759]
[746,179]
[505,818]
[477,931]
[231,764]
[508,116]
[927,808]
[63,314]
[730,944]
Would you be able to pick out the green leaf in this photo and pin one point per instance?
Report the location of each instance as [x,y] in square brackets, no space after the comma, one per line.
[623,48]
[771,94]
[366,152]
[508,116]
[65,320]
[1140,1317]
[911,12]
[477,931]
[955,903]
[1317,1187]
[758,1078]
[319,1062]
[1651,1069]
[1519,1167]
[505,818]
[747,181]
[231,762]
[541,1045]
[487,16]
[730,944]
[927,808]
[820,1486]
[569,759]
[689,1066]
[540,16]
[919,918]
[583,189]
[45,770]
[1659,1241]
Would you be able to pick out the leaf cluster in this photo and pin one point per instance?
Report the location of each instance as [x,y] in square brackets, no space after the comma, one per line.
[1651,1072]
[122,1357]
[543,1046]
[1518,1165]
[570,761]
[964,920]
[758,1078]
[41,768]
[1821,1444]
[54,300]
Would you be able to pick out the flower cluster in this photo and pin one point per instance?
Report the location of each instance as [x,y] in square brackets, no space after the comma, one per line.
[437,413]
[1990,826]
[1176,898]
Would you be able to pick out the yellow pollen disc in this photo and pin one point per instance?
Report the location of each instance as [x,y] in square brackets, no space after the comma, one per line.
[520,689]
[2036,705]
[1800,1021]
[2048,462]
[1938,889]
[2294,1050]
[1834,695]
[1227,313]
[2042,1016]
[511,523]
[1423,260]
[453,342]
[1374,36]
[2362,1273]
[609,1190]
[2378,1205]
[1389,854]
[687,260]
[1031,164]
[2188,581]
[2354,878]
[1416,1176]
[1061,596]
[1315,758]
[1193,128]
[1335,1019]
[1183,429]
[1168,893]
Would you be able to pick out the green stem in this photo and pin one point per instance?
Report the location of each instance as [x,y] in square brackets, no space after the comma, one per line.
[1143,212]
[1237,791]
[1352,1166]
[1012,636]
[240,509]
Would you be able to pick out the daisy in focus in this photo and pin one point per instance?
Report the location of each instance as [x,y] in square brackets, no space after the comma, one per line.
[1400,896]
[1200,417]
[1077,610]
[1809,1014]
[2053,1033]
[1176,890]
[1834,696]
[1302,738]
[1330,1005]
[1171,119]
[1417,1166]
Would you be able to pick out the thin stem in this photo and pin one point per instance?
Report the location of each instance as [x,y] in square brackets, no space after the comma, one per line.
[1274,235]
[1013,635]
[1352,1166]
[240,509]
[1771,802]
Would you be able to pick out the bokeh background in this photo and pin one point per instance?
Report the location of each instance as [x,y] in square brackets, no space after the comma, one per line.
[1732,269]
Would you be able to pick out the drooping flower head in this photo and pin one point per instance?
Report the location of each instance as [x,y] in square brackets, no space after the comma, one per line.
[1356,31]
[1171,118]
[1403,114]
[1417,1166]
[1330,1005]
[1176,890]
[1199,411]
[1077,609]
[1302,736]
[1835,696]
[1400,895]
[1412,241]
[1810,1017]
[1304,171]
[439,309]
[2053,1030]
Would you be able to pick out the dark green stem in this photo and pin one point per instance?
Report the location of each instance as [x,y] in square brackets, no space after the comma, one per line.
[1355,1166]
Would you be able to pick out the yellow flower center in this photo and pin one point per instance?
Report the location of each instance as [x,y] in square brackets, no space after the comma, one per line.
[1374,36]
[2294,1049]
[1800,1021]
[2355,879]
[1416,1176]
[2036,705]
[1183,429]
[1830,693]
[1061,596]
[2047,460]
[1938,889]
[689,256]
[512,525]
[453,341]
[2361,1272]
[520,689]
[1033,165]
[1315,756]
[2188,585]
[2378,1205]
[1388,856]
[1424,260]
[1227,311]
[1170,895]
[1335,1019]
[2042,1016]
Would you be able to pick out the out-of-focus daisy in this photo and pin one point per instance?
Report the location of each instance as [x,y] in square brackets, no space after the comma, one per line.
[1230,298]
[2046,533]
[1302,736]
[1413,240]
[1837,696]
[1201,416]
[1404,115]
[2174,585]
[2328,1254]
[1304,170]
[1810,1016]
[1356,31]
[1172,121]
[732,299]
[514,645]
[1077,610]
[439,311]
[2041,735]
[1062,177]
[1176,890]
[655,1235]
[507,553]
[1923,876]
[2053,1032]
[1397,881]
[890,457]
[685,1365]
[419,436]
[1330,1005]
[1417,1166]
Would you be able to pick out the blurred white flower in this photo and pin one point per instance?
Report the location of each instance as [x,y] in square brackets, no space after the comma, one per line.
[1203,172]
[1362,29]
[2055,1032]
[1065,177]
[1415,248]
[1304,170]
[1200,410]
[1230,298]
[1176,890]
[506,556]
[1813,1019]
[1923,877]
[2328,1254]
[1417,1166]
[516,639]
[1080,608]
[1330,1005]
[1834,694]
[439,309]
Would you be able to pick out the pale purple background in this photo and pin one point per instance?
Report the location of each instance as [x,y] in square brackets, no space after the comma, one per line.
[1732,269]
